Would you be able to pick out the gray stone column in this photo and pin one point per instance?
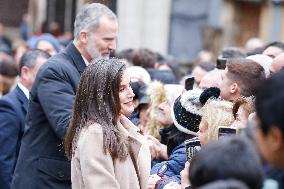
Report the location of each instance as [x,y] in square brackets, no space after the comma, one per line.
[37,14]
[144,23]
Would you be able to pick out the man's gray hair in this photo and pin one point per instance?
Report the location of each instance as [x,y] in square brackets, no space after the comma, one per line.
[88,18]
[29,58]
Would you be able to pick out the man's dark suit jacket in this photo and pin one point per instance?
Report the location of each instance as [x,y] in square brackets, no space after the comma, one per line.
[13,110]
[42,163]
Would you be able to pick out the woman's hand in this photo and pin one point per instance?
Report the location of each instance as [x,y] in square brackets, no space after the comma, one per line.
[185,176]
[158,150]
[154,147]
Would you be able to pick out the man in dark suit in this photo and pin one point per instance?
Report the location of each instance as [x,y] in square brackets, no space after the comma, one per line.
[13,110]
[42,163]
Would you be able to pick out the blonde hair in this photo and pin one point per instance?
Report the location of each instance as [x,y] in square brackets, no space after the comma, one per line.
[156,93]
[217,113]
[246,102]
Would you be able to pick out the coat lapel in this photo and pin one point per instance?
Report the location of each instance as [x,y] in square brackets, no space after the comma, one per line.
[24,105]
[22,98]
[135,146]
[141,158]
[78,61]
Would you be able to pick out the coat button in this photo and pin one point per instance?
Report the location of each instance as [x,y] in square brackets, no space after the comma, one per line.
[60,174]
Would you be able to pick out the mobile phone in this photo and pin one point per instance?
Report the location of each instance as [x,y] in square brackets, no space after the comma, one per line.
[221,63]
[188,84]
[226,131]
[192,146]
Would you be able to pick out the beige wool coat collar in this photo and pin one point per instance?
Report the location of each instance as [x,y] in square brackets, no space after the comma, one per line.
[137,144]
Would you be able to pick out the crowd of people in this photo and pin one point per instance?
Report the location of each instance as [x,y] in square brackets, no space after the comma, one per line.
[82,115]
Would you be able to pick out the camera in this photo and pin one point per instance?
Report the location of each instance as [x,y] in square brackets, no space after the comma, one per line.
[192,146]
[188,84]
[221,63]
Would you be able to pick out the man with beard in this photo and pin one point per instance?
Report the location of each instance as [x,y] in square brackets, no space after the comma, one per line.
[41,162]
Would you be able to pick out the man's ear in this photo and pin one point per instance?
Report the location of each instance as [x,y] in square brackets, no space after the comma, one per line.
[234,88]
[25,71]
[275,138]
[83,36]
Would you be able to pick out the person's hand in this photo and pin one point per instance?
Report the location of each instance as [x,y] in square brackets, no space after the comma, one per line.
[185,176]
[154,148]
[153,179]
[141,127]
[162,149]
[172,185]
[150,137]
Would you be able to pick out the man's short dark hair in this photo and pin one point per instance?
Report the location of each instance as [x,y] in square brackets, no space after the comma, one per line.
[29,58]
[277,44]
[8,69]
[228,158]
[246,73]
[207,66]
[125,54]
[232,52]
[144,58]
[269,102]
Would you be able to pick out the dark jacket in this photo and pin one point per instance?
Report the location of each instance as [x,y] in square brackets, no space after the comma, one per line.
[274,174]
[42,163]
[13,110]
[170,170]
[164,76]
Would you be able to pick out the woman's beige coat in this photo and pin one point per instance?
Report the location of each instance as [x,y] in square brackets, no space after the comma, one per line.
[91,168]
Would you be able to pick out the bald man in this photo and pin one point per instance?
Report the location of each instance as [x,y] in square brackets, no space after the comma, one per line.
[211,79]
[273,49]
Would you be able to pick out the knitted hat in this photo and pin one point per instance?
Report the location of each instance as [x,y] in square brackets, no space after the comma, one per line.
[209,93]
[33,42]
[186,112]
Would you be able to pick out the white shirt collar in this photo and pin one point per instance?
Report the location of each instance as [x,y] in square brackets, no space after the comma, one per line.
[85,60]
[24,89]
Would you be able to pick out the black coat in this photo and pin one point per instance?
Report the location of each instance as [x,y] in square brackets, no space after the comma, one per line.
[13,110]
[42,163]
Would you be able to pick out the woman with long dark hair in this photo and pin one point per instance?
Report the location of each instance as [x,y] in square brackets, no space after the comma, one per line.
[105,148]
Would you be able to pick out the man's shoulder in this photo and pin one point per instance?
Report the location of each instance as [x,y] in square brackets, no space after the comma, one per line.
[9,98]
[67,62]
[61,62]
[65,57]
[8,103]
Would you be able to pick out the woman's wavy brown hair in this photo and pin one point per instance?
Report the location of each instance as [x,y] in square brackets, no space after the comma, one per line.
[97,101]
